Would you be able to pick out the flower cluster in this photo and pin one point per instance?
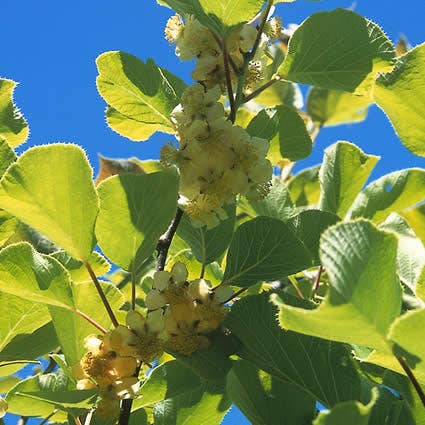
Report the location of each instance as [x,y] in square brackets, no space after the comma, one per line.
[216,160]
[191,309]
[112,360]
[193,40]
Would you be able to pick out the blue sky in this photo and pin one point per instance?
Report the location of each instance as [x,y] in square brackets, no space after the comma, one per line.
[50,47]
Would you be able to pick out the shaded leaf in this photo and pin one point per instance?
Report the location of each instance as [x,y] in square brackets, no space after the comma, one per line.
[304,188]
[264,249]
[131,211]
[305,362]
[361,263]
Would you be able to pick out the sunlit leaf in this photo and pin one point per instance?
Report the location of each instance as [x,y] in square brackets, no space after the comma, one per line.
[50,188]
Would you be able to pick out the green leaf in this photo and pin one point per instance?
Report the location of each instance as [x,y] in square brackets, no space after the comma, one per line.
[76,268]
[406,333]
[399,93]
[8,226]
[40,395]
[234,12]
[212,363]
[204,406]
[281,92]
[168,380]
[277,204]
[7,383]
[416,219]
[330,50]
[7,156]
[131,210]
[110,167]
[23,317]
[141,95]
[317,367]
[31,346]
[361,263]
[36,277]
[349,413]
[304,188]
[285,129]
[344,172]
[308,226]
[329,108]
[410,252]
[13,126]
[394,192]
[73,329]
[264,249]
[404,387]
[208,245]
[246,388]
[50,188]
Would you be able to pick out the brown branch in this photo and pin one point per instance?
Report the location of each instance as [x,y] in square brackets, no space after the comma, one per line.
[165,241]
[412,379]
[232,115]
[101,294]
[91,321]
[261,29]
[231,61]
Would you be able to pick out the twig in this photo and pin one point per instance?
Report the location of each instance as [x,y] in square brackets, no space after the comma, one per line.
[165,241]
[317,281]
[101,294]
[255,93]
[261,29]
[412,379]
[45,420]
[231,61]
[232,115]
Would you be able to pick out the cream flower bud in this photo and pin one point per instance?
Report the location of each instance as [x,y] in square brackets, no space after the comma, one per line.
[126,387]
[85,384]
[262,172]
[93,344]
[136,322]
[161,279]
[179,272]
[223,293]
[154,300]
[199,289]
[121,337]
[155,321]
[3,407]
[261,146]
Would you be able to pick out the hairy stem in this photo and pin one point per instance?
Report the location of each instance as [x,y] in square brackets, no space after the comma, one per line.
[232,115]
[101,294]
[317,281]
[90,320]
[255,93]
[165,241]
[46,419]
[412,379]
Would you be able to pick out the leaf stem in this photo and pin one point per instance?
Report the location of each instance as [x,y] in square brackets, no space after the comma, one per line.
[90,320]
[265,86]
[261,29]
[133,289]
[412,379]
[235,295]
[101,294]
[46,419]
[165,240]
[316,285]
[232,115]
[201,276]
